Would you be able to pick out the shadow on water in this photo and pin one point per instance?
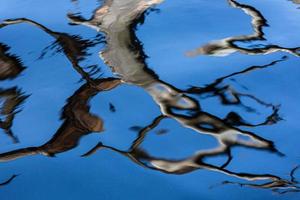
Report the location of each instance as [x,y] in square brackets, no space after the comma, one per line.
[125,56]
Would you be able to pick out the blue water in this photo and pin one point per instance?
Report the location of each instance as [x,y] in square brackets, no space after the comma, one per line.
[168,34]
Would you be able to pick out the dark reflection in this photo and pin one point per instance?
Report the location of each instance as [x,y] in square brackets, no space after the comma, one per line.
[229,96]
[10,98]
[195,162]
[73,46]
[125,55]
[77,122]
[10,65]
[8,181]
[112,108]
[228,45]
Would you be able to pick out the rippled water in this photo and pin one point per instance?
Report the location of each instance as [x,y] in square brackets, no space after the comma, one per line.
[149,99]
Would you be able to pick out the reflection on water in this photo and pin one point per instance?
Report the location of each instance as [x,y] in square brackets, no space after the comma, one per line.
[77,122]
[11,65]
[8,181]
[228,46]
[117,20]
[73,46]
[10,98]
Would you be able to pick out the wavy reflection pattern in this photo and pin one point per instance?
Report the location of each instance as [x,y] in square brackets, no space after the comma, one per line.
[118,20]
[125,56]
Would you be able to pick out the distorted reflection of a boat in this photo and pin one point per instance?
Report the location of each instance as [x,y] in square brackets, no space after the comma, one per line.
[229,45]
[125,56]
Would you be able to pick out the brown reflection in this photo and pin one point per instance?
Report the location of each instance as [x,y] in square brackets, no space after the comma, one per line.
[73,46]
[77,122]
[228,45]
[125,55]
[10,65]
[10,98]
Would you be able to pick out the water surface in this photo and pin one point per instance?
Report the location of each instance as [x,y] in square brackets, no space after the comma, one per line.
[149,99]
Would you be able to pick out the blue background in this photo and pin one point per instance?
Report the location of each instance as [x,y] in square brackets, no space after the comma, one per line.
[180,26]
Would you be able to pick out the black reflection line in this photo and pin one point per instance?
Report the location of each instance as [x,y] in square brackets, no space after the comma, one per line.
[228,45]
[279,187]
[217,89]
[73,46]
[224,92]
[190,164]
[134,153]
[8,181]
[196,162]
